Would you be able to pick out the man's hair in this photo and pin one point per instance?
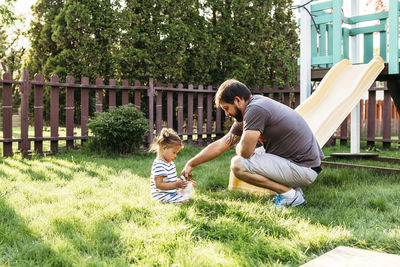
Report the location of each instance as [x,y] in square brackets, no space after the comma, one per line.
[229,89]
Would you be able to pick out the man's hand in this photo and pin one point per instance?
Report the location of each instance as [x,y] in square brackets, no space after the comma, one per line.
[187,171]
[212,151]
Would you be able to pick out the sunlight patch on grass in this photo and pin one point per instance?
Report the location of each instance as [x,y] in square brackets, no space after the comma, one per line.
[207,254]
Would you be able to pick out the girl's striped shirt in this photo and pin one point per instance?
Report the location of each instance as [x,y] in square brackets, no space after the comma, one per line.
[168,172]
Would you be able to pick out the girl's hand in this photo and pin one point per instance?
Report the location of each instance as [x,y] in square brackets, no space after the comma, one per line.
[181,184]
[193,182]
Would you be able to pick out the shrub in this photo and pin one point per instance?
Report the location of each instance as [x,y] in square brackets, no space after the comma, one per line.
[119,130]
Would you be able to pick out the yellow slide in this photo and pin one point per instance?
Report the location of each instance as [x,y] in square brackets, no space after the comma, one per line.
[337,94]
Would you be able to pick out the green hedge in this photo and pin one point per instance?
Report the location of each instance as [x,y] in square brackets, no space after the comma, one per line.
[119,130]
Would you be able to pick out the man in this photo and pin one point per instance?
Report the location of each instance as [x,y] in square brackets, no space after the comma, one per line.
[289,158]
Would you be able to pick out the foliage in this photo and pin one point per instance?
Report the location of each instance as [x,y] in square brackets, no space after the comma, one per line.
[119,130]
[7,17]
[42,46]
[76,209]
[187,41]
[10,56]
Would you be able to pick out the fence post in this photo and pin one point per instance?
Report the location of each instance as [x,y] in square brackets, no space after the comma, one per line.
[137,96]
[159,108]
[265,91]
[286,95]
[386,120]
[209,113]
[99,95]
[69,111]
[398,128]
[180,110]
[190,116]
[38,113]
[371,117]
[200,97]
[84,107]
[170,107]
[54,113]
[343,132]
[218,122]
[7,114]
[150,94]
[276,93]
[26,88]
[125,93]
[112,103]
[296,95]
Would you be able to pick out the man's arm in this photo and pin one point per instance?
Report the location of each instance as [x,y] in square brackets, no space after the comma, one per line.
[212,151]
[247,143]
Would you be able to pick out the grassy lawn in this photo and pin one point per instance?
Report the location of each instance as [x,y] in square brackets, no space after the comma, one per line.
[76,209]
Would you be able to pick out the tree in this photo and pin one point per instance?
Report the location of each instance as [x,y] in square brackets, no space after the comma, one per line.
[7,16]
[257,41]
[167,40]
[188,41]
[10,56]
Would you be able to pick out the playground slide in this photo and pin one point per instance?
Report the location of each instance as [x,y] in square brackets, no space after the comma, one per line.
[337,94]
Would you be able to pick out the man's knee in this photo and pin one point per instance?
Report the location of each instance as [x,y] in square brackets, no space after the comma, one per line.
[236,166]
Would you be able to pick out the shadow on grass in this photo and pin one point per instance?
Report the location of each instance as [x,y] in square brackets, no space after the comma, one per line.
[139,164]
[90,173]
[3,174]
[19,246]
[43,174]
[99,241]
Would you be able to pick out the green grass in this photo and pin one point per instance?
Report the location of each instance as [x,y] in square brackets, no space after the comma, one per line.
[76,209]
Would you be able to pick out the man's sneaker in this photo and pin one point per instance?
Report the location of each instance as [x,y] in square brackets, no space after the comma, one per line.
[301,191]
[297,201]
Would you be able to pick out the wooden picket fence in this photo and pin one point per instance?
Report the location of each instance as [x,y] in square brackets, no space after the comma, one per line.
[379,119]
[190,111]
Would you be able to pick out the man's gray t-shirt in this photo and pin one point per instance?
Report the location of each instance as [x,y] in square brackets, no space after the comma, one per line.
[283,131]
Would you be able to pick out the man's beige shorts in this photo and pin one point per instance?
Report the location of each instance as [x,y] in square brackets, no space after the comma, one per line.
[278,169]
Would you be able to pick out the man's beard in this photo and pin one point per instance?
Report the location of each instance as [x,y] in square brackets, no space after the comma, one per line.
[238,116]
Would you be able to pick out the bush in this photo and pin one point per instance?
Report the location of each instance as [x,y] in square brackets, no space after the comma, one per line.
[120,130]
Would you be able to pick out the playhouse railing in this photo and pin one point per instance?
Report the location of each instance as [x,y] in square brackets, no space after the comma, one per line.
[332,43]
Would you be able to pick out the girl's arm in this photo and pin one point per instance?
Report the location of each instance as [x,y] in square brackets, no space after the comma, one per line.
[160,184]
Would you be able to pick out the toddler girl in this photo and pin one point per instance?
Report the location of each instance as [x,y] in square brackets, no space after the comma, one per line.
[164,181]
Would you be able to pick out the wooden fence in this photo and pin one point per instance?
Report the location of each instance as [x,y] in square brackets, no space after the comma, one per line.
[379,119]
[184,109]
[190,111]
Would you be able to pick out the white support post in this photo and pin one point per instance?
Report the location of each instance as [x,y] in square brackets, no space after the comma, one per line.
[305,53]
[355,130]
[355,58]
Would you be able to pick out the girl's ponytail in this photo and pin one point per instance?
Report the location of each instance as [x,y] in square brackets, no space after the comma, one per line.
[167,137]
